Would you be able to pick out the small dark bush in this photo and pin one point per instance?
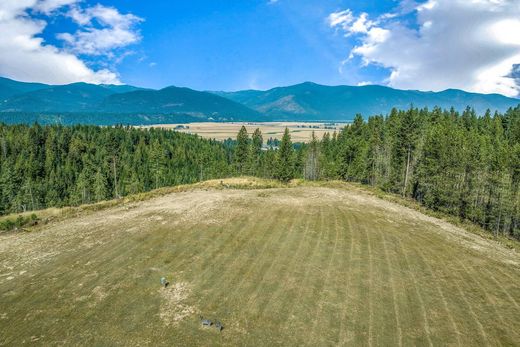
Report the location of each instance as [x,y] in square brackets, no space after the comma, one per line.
[7,225]
[19,222]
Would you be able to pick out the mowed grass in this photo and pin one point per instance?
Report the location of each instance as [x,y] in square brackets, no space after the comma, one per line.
[300,266]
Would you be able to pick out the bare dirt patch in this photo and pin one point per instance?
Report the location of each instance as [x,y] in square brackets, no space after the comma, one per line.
[173,306]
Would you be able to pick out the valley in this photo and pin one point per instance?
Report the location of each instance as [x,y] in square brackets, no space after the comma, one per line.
[300,132]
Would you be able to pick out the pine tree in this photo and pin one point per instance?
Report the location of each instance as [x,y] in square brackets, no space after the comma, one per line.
[311,170]
[285,159]
[100,187]
[255,152]
[7,188]
[157,163]
[242,151]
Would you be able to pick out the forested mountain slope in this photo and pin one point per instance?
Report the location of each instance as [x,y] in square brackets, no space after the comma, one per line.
[82,103]
[310,101]
[175,100]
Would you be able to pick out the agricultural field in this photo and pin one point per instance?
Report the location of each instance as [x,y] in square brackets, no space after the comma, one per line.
[300,132]
[306,265]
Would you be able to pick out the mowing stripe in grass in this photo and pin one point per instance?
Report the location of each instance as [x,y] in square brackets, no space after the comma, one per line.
[226,281]
[417,293]
[455,283]
[230,286]
[304,284]
[212,245]
[74,274]
[261,286]
[394,298]
[509,275]
[255,259]
[506,293]
[472,277]
[212,254]
[343,334]
[384,321]
[288,320]
[277,273]
[472,274]
[320,286]
[286,268]
[370,286]
[434,280]
[329,324]
[468,277]
[337,304]
[280,249]
[360,295]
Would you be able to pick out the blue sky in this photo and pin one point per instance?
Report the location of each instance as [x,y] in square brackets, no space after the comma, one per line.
[259,44]
[229,45]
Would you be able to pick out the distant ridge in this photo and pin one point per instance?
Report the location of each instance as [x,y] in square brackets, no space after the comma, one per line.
[311,101]
[22,102]
[177,100]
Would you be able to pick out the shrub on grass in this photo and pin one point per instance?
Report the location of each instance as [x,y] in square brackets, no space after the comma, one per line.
[19,222]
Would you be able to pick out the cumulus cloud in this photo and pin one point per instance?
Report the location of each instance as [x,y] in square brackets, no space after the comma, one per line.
[102,30]
[26,56]
[468,44]
[49,6]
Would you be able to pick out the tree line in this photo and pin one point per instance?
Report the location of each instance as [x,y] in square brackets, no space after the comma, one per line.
[457,163]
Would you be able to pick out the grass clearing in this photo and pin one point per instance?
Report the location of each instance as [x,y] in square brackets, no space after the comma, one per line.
[306,265]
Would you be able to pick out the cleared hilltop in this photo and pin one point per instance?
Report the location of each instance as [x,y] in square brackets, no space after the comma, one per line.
[308,265]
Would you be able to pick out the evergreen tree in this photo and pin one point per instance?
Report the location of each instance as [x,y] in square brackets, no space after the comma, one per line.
[285,158]
[311,171]
[242,151]
[255,152]
[100,187]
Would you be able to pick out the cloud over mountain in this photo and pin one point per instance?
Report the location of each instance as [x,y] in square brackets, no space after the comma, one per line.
[27,56]
[467,44]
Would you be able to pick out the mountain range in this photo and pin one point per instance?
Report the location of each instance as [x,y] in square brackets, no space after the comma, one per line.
[22,102]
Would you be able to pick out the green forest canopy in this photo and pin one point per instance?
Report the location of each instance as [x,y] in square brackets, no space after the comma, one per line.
[460,164]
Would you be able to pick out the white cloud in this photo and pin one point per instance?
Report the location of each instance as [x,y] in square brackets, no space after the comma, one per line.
[48,6]
[110,31]
[26,56]
[341,18]
[467,44]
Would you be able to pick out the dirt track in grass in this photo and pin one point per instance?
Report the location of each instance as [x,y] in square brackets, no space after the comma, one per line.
[289,266]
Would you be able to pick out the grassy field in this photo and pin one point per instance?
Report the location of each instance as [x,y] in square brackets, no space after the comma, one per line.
[300,132]
[283,266]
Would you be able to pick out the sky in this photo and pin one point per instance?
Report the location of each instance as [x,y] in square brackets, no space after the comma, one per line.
[229,45]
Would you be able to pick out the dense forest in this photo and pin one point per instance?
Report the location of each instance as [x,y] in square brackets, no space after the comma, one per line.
[461,164]
[58,165]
